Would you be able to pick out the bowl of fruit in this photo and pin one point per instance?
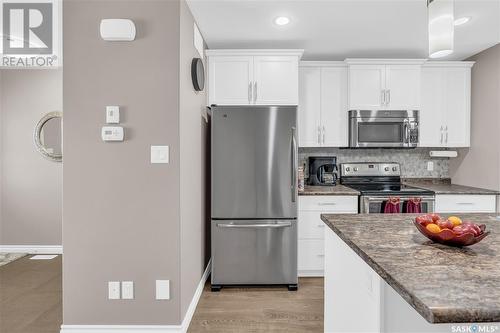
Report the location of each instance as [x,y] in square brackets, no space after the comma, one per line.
[450,231]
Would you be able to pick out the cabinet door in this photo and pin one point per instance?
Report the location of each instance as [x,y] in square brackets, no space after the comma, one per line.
[366,85]
[276,80]
[457,115]
[432,111]
[309,106]
[334,106]
[403,87]
[230,80]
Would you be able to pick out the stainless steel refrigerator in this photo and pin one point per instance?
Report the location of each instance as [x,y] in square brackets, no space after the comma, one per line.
[254,196]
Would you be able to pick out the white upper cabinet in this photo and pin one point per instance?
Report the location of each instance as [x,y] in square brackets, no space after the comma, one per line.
[230,80]
[402,85]
[253,77]
[384,84]
[366,87]
[334,106]
[322,120]
[309,113]
[276,80]
[445,113]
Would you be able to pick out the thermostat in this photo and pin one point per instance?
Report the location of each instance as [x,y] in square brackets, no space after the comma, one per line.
[112,133]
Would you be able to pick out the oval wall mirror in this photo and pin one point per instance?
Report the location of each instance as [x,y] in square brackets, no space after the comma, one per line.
[48,136]
[198,74]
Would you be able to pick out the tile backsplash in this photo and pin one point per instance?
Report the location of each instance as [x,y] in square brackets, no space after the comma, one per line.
[413,161]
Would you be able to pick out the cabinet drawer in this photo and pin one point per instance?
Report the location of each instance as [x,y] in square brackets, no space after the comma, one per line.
[329,203]
[311,254]
[465,203]
[310,225]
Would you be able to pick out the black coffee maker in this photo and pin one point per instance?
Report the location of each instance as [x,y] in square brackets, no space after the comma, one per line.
[322,171]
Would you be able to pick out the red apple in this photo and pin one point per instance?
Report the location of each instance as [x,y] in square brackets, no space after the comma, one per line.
[435,217]
[445,224]
[424,220]
[459,230]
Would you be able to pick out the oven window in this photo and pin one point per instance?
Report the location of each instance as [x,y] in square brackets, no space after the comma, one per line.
[380,132]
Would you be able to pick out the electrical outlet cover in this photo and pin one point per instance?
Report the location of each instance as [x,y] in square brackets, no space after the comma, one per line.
[114,290]
[127,289]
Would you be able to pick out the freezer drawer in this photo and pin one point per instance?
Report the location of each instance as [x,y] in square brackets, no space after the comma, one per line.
[254,252]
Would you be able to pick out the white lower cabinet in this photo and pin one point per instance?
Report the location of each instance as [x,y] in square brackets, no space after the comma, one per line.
[311,228]
[458,203]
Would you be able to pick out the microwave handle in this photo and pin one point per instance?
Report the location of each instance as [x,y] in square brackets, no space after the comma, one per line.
[406,129]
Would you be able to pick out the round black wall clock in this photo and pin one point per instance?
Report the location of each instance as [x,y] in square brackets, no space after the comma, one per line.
[198,74]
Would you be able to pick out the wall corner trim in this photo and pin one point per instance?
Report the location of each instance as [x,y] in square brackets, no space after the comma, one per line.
[32,249]
[182,328]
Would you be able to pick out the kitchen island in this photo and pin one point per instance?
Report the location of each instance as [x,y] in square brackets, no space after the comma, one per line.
[382,275]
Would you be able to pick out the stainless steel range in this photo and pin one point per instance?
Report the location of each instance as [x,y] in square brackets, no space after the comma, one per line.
[380,185]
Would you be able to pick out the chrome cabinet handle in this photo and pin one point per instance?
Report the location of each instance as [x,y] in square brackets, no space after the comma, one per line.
[326,203]
[323,135]
[321,225]
[382,97]
[446,133]
[319,135]
[249,92]
[388,96]
[261,225]
[465,203]
[255,92]
[441,130]
[294,165]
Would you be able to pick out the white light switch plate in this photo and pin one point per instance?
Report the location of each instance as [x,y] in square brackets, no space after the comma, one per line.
[430,166]
[162,289]
[127,289]
[113,114]
[159,154]
[114,290]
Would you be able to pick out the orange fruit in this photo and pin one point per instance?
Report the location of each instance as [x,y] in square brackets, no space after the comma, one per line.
[455,220]
[434,228]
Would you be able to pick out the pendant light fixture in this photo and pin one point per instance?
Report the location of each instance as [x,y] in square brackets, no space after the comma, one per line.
[441,27]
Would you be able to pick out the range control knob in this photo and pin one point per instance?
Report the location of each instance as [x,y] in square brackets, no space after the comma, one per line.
[386,168]
[347,169]
[356,169]
[394,168]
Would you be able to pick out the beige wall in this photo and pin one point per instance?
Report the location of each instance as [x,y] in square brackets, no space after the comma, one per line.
[479,165]
[124,218]
[31,186]
[193,165]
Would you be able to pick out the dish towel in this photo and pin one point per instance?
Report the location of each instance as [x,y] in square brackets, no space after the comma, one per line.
[392,205]
[414,205]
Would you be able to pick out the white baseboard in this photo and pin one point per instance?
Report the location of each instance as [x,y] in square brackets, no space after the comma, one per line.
[182,328]
[312,273]
[32,249]
[196,297]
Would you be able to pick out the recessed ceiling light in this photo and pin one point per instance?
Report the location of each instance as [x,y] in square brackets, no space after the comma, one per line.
[461,20]
[282,20]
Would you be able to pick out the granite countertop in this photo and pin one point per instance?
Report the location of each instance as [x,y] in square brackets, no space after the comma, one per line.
[445,187]
[328,190]
[444,284]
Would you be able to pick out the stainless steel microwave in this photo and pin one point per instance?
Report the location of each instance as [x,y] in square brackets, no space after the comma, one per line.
[383,129]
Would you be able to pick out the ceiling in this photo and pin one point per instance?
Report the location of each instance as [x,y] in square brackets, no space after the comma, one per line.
[339,29]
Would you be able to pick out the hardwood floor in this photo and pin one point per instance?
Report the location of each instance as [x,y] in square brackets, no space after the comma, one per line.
[31,296]
[261,309]
[31,302]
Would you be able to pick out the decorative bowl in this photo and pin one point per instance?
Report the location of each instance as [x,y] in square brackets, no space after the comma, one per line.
[448,237]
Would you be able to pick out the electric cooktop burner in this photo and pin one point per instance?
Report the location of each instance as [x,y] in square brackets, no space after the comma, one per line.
[383,179]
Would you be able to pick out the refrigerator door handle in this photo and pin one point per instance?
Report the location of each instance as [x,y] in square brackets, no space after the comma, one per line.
[261,225]
[294,165]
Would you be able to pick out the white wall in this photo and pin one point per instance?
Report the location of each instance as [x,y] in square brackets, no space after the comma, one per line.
[479,165]
[31,186]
